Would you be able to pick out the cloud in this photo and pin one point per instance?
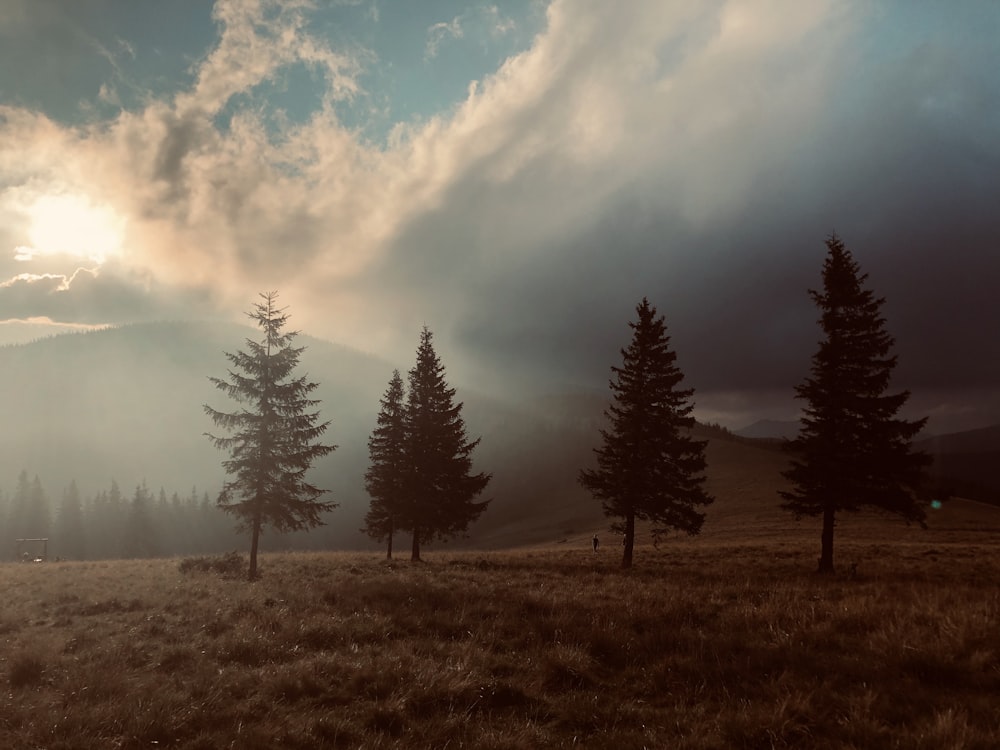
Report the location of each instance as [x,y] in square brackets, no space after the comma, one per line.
[92,298]
[499,23]
[257,39]
[695,153]
[481,24]
[437,33]
[194,190]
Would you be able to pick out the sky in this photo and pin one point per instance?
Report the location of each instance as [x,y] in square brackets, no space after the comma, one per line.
[516,176]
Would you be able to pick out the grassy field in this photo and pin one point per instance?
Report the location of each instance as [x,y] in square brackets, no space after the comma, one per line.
[705,644]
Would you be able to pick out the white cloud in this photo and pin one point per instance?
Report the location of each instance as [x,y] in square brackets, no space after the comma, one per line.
[589,109]
[439,32]
[499,23]
[108,94]
[34,278]
[492,216]
[481,24]
[258,38]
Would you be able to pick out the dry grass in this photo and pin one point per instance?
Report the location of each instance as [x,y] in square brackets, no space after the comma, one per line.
[705,644]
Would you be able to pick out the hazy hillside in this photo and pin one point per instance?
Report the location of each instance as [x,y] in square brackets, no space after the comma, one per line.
[965,463]
[126,404]
[770,428]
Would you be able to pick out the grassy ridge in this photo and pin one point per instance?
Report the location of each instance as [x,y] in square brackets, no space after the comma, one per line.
[704,645]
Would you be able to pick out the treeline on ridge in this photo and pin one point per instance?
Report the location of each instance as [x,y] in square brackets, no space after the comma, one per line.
[111,524]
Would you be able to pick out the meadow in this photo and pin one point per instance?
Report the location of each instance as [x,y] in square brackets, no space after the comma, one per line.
[706,643]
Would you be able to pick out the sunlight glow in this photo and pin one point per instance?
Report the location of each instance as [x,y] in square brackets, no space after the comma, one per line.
[72,225]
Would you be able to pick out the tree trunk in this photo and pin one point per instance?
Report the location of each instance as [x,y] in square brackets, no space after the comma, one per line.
[254,541]
[388,551]
[826,552]
[629,539]
[415,550]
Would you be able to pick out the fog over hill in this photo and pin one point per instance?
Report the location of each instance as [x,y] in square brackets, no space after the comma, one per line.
[125,404]
[965,463]
[771,428]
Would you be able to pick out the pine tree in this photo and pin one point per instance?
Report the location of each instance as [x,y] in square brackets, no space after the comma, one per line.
[29,510]
[110,522]
[17,517]
[439,489]
[384,479]
[70,535]
[6,548]
[649,467]
[852,450]
[140,537]
[274,437]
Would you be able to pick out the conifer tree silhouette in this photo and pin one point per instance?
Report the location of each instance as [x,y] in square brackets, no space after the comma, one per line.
[852,450]
[649,467]
[386,475]
[438,500]
[274,436]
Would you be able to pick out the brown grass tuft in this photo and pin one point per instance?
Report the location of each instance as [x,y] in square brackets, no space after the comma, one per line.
[702,645]
[25,670]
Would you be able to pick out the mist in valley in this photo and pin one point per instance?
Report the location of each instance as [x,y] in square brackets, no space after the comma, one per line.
[124,406]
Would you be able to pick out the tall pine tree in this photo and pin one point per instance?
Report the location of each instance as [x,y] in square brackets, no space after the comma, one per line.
[649,467]
[386,475]
[30,515]
[70,532]
[274,438]
[439,489]
[141,537]
[852,450]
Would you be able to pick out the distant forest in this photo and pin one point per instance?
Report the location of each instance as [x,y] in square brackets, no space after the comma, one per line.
[117,524]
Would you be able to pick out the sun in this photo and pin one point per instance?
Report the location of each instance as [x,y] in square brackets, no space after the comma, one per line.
[72,225]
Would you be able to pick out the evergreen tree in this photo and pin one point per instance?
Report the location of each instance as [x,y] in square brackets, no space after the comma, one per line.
[29,513]
[179,525]
[70,534]
[113,521]
[216,533]
[274,437]
[17,517]
[192,524]
[105,524]
[439,490]
[385,477]
[39,510]
[649,467]
[6,540]
[140,538]
[93,515]
[852,450]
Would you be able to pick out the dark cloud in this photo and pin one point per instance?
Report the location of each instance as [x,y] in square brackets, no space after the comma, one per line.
[182,135]
[904,164]
[735,293]
[695,154]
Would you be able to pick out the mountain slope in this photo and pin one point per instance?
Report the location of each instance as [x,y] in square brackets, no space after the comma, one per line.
[126,404]
[775,429]
[965,463]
